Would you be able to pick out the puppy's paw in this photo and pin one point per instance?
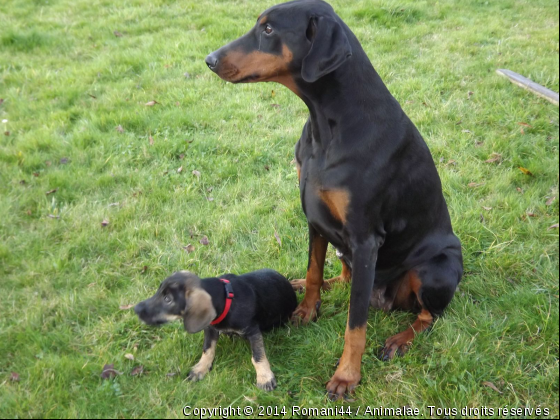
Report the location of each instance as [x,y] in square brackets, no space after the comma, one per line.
[197,373]
[267,386]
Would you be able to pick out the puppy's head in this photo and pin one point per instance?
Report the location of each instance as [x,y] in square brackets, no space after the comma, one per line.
[179,297]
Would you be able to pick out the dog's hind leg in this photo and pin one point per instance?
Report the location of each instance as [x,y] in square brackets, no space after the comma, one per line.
[429,287]
[204,365]
[265,378]
[344,277]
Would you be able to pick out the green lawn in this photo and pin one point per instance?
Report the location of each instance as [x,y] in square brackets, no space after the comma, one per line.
[75,76]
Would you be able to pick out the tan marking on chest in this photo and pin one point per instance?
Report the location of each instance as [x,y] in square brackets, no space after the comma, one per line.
[337,201]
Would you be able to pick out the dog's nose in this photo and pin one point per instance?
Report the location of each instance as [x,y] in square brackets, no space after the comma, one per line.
[212,60]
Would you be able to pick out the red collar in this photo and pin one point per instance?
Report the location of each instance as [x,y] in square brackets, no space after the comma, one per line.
[229,298]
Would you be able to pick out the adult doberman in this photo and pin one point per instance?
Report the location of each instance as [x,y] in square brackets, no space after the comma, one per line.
[368,183]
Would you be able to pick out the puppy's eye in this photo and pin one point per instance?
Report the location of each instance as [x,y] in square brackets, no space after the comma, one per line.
[167,299]
[268,29]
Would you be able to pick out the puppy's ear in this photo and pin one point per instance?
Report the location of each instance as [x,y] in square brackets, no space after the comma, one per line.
[330,48]
[200,311]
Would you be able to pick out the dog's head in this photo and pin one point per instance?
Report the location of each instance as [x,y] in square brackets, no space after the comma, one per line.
[179,297]
[299,40]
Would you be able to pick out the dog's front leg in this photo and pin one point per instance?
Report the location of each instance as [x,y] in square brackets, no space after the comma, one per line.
[265,378]
[204,365]
[347,375]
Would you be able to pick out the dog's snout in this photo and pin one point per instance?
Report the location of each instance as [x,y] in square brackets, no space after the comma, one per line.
[212,60]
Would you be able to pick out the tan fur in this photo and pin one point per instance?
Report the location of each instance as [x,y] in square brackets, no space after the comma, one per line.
[200,311]
[203,366]
[337,201]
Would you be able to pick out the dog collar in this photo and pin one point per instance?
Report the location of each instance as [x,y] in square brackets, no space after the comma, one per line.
[229,298]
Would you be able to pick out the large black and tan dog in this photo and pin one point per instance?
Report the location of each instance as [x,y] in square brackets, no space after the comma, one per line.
[368,183]
[245,305]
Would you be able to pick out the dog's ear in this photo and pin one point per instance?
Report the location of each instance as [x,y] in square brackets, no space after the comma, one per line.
[200,311]
[329,49]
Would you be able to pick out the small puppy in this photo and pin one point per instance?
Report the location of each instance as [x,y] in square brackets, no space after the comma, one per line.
[245,305]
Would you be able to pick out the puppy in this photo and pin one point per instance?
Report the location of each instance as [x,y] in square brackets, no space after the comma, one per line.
[245,305]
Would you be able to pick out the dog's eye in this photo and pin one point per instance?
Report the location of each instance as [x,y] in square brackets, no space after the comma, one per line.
[268,29]
[167,299]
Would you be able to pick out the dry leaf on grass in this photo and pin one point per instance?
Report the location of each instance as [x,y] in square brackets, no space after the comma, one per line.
[109,371]
[204,240]
[189,248]
[550,201]
[554,226]
[476,184]
[119,128]
[138,370]
[51,191]
[491,385]
[117,34]
[196,173]
[526,171]
[129,356]
[105,222]
[278,238]
[494,158]
[14,377]
[151,140]
[125,307]
[152,103]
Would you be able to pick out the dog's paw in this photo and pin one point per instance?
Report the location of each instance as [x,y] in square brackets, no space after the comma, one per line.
[341,386]
[305,313]
[268,385]
[396,345]
[197,373]
[298,285]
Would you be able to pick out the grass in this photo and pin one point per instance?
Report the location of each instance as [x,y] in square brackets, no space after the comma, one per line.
[72,72]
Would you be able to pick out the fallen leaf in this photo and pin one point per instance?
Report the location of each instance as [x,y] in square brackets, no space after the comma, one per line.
[187,75]
[526,171]
[52,216]
[1,101]
[550,201]
[125,307]
[494,157]
[481,218]
[6,133]
[144,269]
[491,385]
[204,240]
[105,222]
[487,208]
[467,131]
[277,238]
[189,248]
[210,198]
[180,169]
[119,128]
[151,140]
[138,370]
[476,184]
[519,190]
[93,96]
[48,163]
[109,372]
[51,191]
[129,356]
[151,103]
[267,167]
[64,160]
[251,400]
[14,377]
[451,162]
[524,124]
[23,182]
[554,226]
[196,173]
[522,131]
[478,143]
[531,214]
[117,34]
[471,94]
[171,374]
[273,94]
[36,174]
